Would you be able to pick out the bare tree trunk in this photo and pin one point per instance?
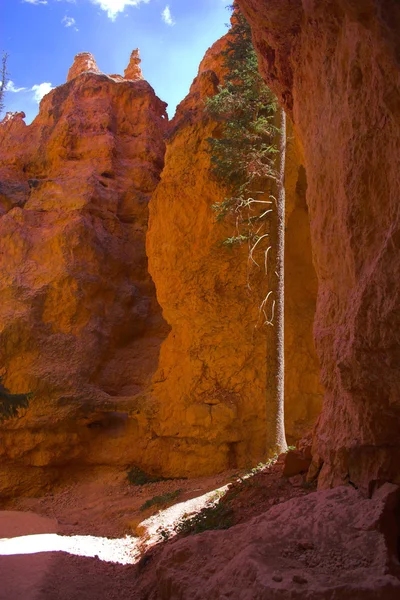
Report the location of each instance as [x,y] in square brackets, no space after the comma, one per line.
[3,80]
[276,439]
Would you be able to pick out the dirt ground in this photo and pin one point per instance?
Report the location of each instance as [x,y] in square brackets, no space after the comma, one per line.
[91,538]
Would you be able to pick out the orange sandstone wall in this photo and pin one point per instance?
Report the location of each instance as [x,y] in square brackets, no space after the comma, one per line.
[79,322]
[335,66]
[210,385]
[303,390]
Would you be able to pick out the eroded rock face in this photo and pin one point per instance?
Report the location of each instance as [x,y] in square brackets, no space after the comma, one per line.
[328,544]
[79,321]
[303,390]
[83,62]
[210,387]
[133,70]
[336,68]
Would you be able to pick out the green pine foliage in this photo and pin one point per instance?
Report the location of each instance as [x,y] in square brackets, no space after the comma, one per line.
[243,149]
[218,515]
[160,501]
[11,403]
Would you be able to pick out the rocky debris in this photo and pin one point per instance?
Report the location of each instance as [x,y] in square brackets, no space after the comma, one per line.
[327,544]
[83,62]
[295,463]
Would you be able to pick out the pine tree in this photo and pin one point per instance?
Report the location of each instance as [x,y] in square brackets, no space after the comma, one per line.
[11,403]
[246,159]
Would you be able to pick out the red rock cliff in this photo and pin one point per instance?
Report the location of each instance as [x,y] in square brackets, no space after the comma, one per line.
[80,325]
[335,65]
[79,322]
[210,386]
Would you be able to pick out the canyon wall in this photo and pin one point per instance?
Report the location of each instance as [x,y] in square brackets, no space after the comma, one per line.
[210,386]
[79,322]
[335,66]
[303,390]
[80,325]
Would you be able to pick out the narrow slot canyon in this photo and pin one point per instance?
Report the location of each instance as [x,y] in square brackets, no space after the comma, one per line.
[134,328]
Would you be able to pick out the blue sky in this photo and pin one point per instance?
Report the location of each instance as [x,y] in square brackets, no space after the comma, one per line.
[43,36]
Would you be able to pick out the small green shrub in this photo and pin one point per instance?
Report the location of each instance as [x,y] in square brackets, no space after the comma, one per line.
[160,501]
[138,477]
[11,403]
[232,241]
[264,465]
[216,516]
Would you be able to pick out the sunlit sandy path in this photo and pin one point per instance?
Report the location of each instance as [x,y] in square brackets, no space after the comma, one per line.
[30,543]
[21,576]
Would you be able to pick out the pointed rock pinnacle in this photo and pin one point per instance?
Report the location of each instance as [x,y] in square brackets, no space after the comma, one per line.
[84,61]
[133,70]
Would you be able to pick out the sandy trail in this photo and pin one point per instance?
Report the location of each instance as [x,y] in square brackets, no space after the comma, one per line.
[82,542]
[21,576]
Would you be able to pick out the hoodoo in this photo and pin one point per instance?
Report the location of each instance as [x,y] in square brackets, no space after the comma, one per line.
[133,70]
[80,326]
[83,62]
[134,334]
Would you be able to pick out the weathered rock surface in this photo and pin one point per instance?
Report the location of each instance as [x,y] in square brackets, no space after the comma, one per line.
[210,387]
[80,325]
[335,65]
[79,322]
[324,546]
[303,390]
[133,70]
[83,63]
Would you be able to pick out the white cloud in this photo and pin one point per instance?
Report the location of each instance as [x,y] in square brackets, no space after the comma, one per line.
[10,87]
[167,17]
[113,7]
[35,1]
[41,90]
[68,21]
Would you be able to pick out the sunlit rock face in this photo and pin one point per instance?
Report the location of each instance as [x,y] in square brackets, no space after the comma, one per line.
[210,386]
[335,66]
[79,322]
[133,70]
[83,62]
